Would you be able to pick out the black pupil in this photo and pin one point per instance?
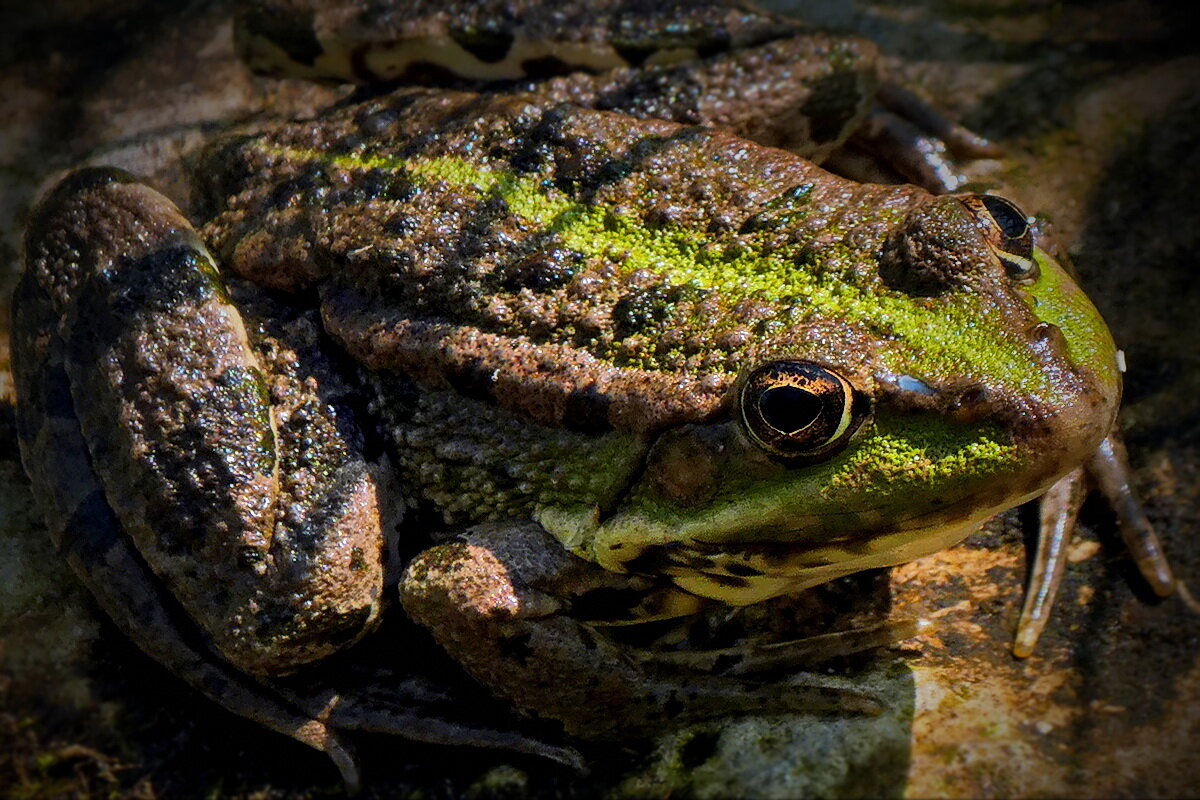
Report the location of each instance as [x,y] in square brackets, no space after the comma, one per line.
[1008,217]
[788,409]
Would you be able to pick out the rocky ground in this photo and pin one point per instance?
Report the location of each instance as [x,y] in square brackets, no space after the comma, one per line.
[1098,104]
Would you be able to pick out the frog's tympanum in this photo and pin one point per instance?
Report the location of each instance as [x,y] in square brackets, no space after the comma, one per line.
[621,353]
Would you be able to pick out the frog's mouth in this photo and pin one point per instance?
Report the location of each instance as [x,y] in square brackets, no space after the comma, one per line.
[709,511]
[759,565]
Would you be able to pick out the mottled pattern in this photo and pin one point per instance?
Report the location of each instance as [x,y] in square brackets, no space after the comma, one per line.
[220,439]
[565,260]
[579,34]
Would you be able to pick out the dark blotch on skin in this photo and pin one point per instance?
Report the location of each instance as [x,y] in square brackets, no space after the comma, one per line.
[714,47]
[833,102]
[641,308]
[489,47]
[473,380]
[726,662]
[516,648]
[728,580]
[54,398]
[607,604]
[654,560]
[587,411]
[157,283]
[427,73]
[699,749]
[92,530]
[634,55]
[547,67]
[541,271]
[292,32]
[745,570]
[375,184]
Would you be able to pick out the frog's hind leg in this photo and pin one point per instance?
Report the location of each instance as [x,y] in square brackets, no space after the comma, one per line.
[1109,468]
[911,138]
[1058,510]
[224,447]
[90,536]
[506,601]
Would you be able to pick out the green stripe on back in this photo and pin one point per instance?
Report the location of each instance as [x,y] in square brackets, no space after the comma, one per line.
[941,336]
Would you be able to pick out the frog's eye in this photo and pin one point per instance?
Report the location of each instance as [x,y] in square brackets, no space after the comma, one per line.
[1008,232]
[797,409]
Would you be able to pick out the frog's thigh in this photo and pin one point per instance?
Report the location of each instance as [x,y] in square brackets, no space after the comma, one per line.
[503,599]
[89,535]
[805,92]
[277,555]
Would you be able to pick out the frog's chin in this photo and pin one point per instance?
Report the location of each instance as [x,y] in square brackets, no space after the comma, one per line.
[786,574]
[769,571]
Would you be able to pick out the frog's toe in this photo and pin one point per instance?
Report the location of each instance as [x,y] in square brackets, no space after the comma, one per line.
[1059,508]
[962,142]
[393,717]
[1109,468]
[908,151]
[794,654]
[910,138]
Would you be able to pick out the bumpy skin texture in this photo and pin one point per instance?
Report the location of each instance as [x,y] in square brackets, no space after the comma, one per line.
[439,228]
[726,65]
[550,311]
[239,479]
[522,260]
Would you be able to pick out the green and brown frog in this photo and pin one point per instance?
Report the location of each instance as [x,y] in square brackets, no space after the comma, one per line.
[570,308]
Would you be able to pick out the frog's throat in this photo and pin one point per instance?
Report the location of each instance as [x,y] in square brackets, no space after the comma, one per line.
[749,577]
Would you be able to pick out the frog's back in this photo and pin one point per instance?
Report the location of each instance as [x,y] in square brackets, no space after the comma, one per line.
[628,257]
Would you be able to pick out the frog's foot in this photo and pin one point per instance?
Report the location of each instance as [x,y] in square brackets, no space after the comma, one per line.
[795,654]
[1109,469]
[506,600]
[379,700]
[88,533]
[913,139]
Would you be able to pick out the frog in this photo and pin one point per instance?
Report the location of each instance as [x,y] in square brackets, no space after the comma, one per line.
[616,354]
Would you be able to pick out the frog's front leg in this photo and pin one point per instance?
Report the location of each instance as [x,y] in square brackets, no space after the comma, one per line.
[510,604]
[1109,469]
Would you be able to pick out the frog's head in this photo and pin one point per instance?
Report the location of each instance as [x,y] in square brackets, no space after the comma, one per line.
[960,373]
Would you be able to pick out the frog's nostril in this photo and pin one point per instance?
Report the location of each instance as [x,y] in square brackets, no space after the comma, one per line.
[972,403]
[1048,339]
